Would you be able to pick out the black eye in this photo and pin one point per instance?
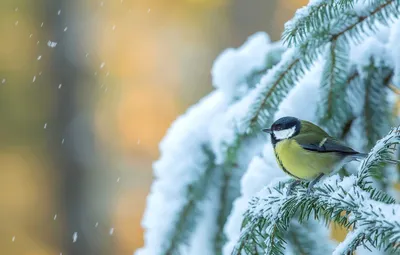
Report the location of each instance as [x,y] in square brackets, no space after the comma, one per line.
[278,127]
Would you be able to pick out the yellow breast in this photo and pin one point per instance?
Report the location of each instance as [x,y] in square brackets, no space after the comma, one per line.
[301,163]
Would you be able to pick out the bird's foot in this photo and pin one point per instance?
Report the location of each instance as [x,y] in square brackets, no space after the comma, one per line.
[291,187]
[309,189]
[312,183]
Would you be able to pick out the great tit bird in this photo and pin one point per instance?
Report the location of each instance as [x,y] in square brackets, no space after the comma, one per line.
[306,152]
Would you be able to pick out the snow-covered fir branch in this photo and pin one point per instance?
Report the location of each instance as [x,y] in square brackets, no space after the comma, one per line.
[185,165]
[214,160]
[230,145]
[324,21]
[264,100]
[350,202]
[192,162]
[301,102]
[310,17]
[335,112]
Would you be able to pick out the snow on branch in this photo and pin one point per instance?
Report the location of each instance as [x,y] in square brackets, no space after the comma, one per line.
[350,202]
[309,237]
[377,225]
[235,71]
[381,153]
[208,149]
[302,102]
[310,17]
[364,19]
[194,159]
[262,102]
[352,24]
[335,112]
[184,168]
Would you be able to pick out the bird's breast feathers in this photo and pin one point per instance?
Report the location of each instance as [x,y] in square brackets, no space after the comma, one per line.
[301,163]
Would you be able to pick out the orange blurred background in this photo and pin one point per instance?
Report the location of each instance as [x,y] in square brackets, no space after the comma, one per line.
[81,121]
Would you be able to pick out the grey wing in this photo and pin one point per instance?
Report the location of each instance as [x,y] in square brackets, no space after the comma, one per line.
[328,144]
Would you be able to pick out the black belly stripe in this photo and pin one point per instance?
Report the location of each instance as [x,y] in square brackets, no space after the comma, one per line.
[284,169]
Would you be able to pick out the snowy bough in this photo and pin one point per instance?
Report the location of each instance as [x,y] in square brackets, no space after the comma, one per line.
[350,201]
[218,189]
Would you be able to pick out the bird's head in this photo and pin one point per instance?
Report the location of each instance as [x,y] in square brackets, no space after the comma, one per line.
[284,128]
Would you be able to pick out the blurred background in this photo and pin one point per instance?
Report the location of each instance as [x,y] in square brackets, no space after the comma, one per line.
[87,90]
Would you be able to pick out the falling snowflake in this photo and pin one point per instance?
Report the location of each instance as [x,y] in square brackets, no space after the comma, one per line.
[74,237]
[51,44]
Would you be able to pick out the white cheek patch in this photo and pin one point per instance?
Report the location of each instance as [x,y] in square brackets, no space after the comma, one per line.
[285,133]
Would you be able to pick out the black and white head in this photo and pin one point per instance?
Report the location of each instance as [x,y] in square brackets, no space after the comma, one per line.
[284,128]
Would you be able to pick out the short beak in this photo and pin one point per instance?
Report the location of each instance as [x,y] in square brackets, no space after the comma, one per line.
[267,130]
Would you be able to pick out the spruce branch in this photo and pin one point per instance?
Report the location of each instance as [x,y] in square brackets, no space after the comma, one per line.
[376,107]
[271,210]
[264,100]
[269,94]
[272,58]
[378,225]
[228,162]
[353,239]
[330,23]
[381,153]
[308,238]
[310,18]
[189,212]
[280,79]
[335,110]
[226,147]
[228,192]
[351,25]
